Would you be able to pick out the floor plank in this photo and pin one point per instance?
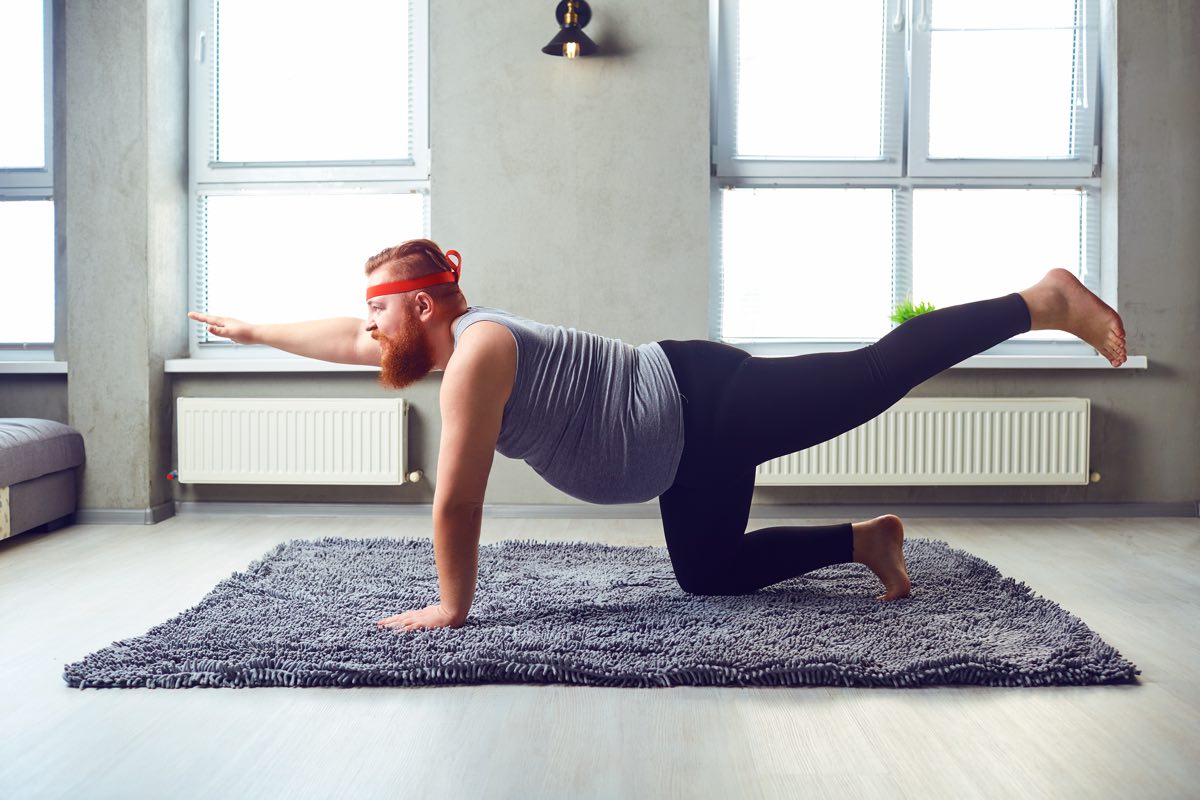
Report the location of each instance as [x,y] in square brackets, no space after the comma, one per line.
[67,593]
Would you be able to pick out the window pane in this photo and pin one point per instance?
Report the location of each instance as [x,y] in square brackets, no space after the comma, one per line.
[806,263]
[22,91]
[974,244]
[312,81]
[1002,85]
[283,258]
[1008,14]
[27,272]
[810,79]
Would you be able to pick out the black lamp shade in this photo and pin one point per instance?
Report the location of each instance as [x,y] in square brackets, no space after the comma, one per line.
[557,46]
[573,16]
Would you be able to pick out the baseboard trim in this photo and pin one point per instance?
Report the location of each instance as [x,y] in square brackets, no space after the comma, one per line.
[650,510]
[567,511]
[125,516]
[981,510]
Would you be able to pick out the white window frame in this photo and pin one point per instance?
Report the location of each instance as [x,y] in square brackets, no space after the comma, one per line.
[730,165]
[26,184]
[1086,162]
[914,171]
[209,177]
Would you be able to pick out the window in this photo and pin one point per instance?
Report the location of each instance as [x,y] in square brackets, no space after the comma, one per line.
[310,153]
[865,152]
[26,181]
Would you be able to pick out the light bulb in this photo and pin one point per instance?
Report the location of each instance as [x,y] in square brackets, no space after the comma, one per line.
[571,49]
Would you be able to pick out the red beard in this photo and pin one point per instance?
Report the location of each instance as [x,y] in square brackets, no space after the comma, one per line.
[404,358]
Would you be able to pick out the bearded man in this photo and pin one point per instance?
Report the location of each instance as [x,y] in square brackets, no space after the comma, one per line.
[684,421]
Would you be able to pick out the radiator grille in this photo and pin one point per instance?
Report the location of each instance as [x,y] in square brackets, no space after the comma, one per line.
[307,441]
[950,441]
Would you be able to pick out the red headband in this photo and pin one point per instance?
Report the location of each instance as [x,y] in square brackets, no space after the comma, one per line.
[424,282]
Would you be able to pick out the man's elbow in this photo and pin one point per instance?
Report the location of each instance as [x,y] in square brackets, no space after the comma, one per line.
[458,509]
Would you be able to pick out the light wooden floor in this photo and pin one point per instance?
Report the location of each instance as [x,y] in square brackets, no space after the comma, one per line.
[67,593]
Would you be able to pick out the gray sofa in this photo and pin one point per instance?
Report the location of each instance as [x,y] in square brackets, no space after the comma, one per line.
[38,460]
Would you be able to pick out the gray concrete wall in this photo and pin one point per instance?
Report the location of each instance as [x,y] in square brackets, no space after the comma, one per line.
[1158,173]
[578,188]
[578,193]
[124,213]
[43,396]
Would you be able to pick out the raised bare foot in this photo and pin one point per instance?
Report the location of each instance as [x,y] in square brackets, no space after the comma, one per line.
[879,544]
[1060,302]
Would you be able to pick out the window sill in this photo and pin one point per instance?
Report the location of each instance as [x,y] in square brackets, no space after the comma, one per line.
[33,367]
[993,361]
[258,365]
[1049,362]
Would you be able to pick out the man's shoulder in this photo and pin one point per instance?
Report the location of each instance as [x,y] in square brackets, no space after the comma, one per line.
[485,335]
[484,358]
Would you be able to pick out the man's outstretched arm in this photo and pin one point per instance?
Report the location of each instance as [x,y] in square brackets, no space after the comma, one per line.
[343,340]
[475,388]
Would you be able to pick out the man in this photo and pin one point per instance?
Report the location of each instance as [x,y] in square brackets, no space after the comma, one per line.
[686,422]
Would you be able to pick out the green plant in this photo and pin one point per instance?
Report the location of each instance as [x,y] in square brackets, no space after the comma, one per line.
[907,310]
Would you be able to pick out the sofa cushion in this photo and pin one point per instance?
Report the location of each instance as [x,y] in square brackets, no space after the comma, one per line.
[30,448]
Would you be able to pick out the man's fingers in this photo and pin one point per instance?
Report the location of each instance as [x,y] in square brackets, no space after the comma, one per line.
[395,621]
[216,325]
[408,621]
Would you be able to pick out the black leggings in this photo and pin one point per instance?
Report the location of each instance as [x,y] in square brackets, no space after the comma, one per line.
[740,411]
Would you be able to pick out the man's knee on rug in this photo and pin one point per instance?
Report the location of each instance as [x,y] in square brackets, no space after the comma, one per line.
[710,579]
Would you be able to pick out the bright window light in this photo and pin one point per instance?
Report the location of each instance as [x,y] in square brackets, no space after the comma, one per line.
[806,263]
[1013,14]
[303,80]
[283,258]
[973,244]
[1002,79]
[825,224]
[810,79]
[22,89]
[27,272]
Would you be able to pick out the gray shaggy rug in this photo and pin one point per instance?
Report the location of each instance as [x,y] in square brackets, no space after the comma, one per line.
[603,615]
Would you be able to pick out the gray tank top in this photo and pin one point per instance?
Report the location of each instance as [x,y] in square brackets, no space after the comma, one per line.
[597,418]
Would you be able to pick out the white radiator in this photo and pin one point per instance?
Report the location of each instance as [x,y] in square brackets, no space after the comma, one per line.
[949,441]
[261,440]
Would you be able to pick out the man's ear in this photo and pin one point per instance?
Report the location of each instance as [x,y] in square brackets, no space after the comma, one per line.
[425,306]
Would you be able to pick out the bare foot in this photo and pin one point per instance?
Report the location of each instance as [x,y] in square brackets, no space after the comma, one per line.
[879,544]
[1060,302]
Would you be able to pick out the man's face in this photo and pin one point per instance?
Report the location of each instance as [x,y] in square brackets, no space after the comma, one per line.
[405,353]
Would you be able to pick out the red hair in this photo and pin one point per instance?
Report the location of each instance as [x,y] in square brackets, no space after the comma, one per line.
[412,259]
